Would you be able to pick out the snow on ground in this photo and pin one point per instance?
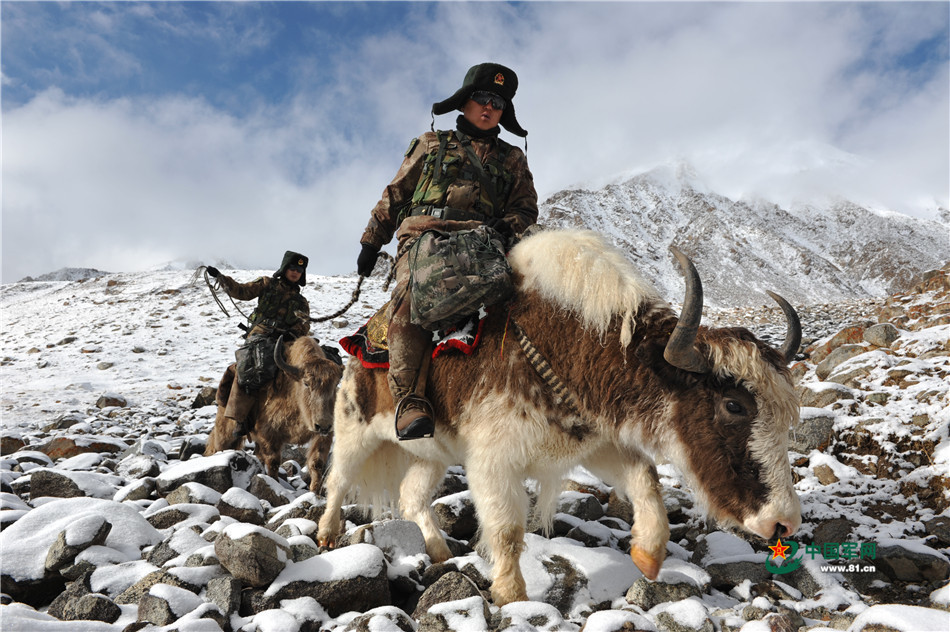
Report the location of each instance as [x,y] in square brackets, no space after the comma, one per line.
[156,338]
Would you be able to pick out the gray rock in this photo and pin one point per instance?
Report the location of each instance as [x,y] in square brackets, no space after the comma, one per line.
[618,507]
[365,591]
[646,594]
[456,515]
[242,506]
[477,616]
[939,528]
[79,536]
[916,564]
[824,394]
[815,432]
[205,397]
[138,466]
[222,471]
[74,590]
[568,581]
[255,557]
[836,357]
[834,530]
[729,574]
[91,607]
[50,483]
[667,622]
[134,593]
[193,493]
[267,489]
[583,506]
[396,538]
[165,604]
[450,587]
[881,335]
[109,400]
[387,619]
[225,593]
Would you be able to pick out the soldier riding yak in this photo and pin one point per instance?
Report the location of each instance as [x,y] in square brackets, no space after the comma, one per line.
[463,184]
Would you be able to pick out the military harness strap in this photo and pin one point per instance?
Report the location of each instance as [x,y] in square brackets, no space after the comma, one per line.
[483,178]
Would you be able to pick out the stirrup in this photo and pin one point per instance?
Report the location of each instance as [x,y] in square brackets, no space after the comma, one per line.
[420,428]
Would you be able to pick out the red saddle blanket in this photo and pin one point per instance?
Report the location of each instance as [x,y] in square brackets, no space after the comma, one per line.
[368,345]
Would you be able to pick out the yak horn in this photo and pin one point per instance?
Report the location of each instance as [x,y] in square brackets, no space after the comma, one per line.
[793,335]
[289,369]
[681,349]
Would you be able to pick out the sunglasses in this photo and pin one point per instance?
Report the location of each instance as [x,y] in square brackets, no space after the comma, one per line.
[482,97]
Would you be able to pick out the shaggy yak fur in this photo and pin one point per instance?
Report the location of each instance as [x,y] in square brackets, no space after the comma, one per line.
[603,331]
[291,409]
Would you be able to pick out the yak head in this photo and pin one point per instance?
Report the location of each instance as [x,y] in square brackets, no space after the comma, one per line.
[732,406]
[316,377]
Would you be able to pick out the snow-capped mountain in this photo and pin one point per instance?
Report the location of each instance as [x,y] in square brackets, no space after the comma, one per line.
[808,252]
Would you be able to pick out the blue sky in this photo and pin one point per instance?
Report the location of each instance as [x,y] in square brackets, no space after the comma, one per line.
[138,133]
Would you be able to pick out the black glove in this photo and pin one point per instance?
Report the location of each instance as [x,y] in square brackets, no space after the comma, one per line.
[213,272]
[367,260]
[502,227]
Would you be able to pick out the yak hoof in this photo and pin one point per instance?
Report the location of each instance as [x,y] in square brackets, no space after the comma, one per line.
[648,565]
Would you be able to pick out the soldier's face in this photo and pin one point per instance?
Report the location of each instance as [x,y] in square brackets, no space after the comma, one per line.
[292,274]
[483,117]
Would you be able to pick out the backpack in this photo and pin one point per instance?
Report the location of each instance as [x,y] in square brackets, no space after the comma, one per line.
[256,367]
[453,274]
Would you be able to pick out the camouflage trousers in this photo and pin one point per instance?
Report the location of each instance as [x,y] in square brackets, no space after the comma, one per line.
[408,343]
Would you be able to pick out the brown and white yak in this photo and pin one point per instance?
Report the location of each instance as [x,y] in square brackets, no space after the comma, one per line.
[291,409]
[626,379]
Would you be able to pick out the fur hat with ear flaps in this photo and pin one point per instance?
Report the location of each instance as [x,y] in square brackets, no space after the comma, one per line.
[292,258]
[490,78]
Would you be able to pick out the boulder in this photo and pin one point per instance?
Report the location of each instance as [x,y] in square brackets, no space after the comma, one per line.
[342,580]
[220,472]
[252,554]
[75,538]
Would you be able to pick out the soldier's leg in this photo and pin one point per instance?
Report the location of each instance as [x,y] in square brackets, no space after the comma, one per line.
[409,346]
[239,405]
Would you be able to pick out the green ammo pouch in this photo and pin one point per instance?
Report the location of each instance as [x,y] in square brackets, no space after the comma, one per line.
[255,363]
[453,274]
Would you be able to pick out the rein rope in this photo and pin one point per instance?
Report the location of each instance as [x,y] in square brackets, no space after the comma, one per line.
[213,287]
[354,297]
[356,293]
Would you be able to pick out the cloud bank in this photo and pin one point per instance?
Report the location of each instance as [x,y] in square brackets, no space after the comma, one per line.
[286,135]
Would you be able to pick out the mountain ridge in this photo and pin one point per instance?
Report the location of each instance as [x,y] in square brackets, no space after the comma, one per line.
[809,252]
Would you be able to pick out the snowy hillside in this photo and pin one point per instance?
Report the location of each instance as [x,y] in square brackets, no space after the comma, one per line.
[807,253]
[869,462]
[145,335]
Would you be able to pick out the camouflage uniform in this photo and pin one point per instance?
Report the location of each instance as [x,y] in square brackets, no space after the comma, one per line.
[456,189]
[279,300]
[278,305]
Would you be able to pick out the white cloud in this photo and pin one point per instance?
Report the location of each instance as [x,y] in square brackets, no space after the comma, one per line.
[763,97]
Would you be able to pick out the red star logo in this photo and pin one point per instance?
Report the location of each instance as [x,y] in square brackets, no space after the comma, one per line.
[779,550]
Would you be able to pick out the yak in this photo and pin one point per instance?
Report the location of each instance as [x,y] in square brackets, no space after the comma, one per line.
[586,365]
[296,407]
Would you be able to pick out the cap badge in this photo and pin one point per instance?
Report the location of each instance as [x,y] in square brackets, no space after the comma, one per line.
[500,79]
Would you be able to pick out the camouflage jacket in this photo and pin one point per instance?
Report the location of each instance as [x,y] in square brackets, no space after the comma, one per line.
[458,188]
[277,305]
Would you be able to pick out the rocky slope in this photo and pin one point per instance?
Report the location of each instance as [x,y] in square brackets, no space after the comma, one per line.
[112,521]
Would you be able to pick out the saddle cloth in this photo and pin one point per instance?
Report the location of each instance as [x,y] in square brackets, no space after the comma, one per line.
[370,346]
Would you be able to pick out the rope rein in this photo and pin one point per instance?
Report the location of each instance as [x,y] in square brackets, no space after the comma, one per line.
[203,270]
[356,293]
